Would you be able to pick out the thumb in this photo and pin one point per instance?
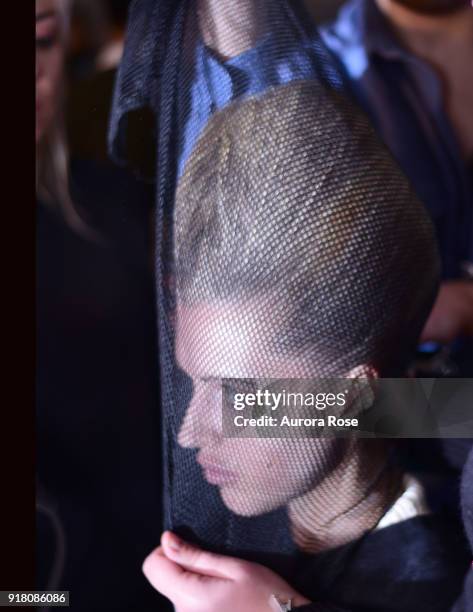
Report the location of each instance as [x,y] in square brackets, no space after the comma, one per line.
[163,574]
[200,561]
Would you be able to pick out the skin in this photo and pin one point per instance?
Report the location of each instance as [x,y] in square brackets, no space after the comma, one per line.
[440,32]
[193,579]
[230,28]
[199,581]
[254,475]
[451,315]
[49,65]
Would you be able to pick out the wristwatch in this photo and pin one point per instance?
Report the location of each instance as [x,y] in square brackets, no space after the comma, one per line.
[281,605]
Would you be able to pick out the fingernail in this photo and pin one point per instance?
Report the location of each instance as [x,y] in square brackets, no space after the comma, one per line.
[174,542]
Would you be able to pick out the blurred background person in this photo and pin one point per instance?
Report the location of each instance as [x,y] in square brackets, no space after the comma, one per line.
[98,466]
[111,52]
[97,36]
[409,62]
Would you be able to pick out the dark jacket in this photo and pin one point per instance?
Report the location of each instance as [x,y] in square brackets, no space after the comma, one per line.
[97,398]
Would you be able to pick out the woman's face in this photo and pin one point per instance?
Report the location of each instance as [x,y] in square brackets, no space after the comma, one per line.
[49,64]
[254,476]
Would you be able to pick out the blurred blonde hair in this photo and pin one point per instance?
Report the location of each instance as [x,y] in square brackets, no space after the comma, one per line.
[52,162]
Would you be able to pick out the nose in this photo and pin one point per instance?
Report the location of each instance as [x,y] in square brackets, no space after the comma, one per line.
[202,424]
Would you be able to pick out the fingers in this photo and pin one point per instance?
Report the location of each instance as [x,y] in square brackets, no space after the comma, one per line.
[196,579]
[161,572]
[199,561]
[170,579]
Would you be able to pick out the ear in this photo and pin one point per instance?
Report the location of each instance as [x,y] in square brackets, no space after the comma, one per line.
[363,388]
[363,371]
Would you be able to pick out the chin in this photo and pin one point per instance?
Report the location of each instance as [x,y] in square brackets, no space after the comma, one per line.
[246,503]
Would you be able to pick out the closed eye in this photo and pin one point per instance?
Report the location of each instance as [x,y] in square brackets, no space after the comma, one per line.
[46,42]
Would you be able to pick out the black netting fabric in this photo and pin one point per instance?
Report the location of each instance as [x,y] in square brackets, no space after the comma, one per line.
[289,245]
[289,263]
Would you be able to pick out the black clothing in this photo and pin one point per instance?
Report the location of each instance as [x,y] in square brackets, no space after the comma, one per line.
[97,401]
[465,603]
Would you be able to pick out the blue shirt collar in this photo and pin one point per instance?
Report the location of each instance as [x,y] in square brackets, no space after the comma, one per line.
[365,25]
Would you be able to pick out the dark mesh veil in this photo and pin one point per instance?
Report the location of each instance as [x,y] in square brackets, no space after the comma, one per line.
[289,263]
[289,245]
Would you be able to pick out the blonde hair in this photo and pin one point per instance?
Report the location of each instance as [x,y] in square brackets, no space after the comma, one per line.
[290,194]
[52,164]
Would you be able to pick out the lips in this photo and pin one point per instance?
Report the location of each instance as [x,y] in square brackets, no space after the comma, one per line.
[216,474]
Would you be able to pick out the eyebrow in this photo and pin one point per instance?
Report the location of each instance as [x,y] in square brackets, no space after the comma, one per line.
[45,15]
